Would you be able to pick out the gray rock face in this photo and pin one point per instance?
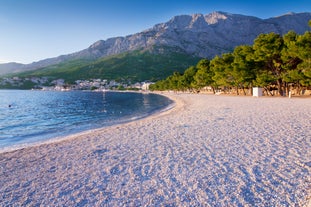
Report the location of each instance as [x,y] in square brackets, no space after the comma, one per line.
[203,35]
[197,34]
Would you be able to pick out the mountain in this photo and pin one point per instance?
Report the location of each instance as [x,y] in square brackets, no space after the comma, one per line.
[196,35]
[11,68]
[200,35]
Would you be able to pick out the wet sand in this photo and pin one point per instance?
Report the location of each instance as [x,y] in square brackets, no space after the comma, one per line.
[206,151]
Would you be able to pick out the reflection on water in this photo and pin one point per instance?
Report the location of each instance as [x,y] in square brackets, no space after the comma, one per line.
[29,116]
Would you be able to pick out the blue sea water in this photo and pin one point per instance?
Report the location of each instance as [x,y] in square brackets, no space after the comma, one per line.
[32,116]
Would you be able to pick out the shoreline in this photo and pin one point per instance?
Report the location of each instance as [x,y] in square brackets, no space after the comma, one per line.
[206,150]
[57,138]
[60,138]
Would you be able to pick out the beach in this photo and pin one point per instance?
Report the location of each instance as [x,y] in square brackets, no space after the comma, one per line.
[206,151]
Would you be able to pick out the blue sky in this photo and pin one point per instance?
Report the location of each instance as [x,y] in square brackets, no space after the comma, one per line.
[32,30]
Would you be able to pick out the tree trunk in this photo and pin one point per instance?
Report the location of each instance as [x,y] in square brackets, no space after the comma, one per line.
[213,89]
[286,88]
[280,88]
[268,91]
[244,90]
[298,90]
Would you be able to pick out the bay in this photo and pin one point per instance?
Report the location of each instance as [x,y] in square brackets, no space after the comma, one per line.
[32,116]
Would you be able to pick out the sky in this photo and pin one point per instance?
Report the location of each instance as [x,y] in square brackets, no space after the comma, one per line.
[32,30]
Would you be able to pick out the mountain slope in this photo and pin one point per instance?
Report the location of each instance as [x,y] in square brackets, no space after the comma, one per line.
[136,65]
[10,68]
[197,35]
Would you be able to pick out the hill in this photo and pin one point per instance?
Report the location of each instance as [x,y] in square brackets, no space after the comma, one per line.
[126,67]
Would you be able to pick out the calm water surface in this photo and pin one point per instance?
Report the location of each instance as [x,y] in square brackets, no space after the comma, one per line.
[31,116]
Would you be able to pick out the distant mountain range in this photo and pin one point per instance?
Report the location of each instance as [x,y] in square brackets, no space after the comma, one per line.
[192,36]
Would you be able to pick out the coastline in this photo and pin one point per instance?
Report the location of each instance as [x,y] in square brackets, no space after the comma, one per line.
[48,137]
[206,150]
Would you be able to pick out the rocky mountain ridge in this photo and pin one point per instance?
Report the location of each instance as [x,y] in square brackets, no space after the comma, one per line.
[197,35]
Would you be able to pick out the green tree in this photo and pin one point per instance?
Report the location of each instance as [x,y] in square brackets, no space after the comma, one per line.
[244,67]
[289,53]
[158,86]
[267,50]
[204,75]
[304,53]
[222,69]
[264,80]
[174,81]
[187,79]
[291,76]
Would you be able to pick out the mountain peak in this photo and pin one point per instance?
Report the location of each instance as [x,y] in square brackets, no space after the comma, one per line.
[180,21]
[97,44]
[215,17]
[188,21]
[194,21]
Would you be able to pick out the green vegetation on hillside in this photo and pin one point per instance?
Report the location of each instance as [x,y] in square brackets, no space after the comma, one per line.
[126,67]
[62,70]
[273,62]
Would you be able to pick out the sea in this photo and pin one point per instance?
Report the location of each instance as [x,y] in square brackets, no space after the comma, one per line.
[30,116]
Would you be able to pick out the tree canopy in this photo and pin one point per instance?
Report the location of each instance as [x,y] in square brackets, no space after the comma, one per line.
[274,62]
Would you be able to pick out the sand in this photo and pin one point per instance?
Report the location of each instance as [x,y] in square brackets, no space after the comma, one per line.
[206,151]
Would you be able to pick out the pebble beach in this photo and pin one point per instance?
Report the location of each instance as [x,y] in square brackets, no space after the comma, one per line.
[205,151]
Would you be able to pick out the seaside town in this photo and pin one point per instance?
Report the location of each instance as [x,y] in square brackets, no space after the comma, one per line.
[44,83]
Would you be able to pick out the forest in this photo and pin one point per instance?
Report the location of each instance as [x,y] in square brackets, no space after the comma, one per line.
[279,64]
